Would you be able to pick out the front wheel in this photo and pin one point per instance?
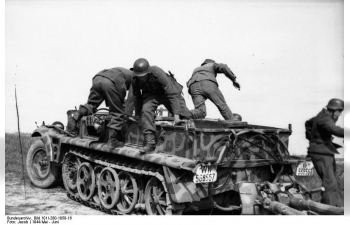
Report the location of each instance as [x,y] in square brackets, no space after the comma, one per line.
[42,172]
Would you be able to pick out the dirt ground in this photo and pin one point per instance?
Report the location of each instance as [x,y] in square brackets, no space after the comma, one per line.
[41,201]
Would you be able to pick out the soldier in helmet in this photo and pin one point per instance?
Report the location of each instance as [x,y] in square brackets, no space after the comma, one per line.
[203,85]
[109,85]
[157,88]
[319,131]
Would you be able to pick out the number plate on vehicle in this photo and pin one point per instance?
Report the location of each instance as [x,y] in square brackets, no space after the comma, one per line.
[205,174]
[305,168]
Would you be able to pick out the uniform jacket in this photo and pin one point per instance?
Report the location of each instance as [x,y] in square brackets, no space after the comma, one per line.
[158,83]
[124,76]
[209,71]
[117,73]
[319,131]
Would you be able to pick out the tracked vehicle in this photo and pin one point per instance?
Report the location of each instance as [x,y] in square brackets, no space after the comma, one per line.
[231,166]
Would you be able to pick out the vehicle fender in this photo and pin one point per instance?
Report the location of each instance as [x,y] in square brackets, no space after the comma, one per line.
[180,190]
[44,132]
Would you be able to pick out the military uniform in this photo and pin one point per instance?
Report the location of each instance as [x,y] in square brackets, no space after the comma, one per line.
[319,131]
[110,85]
[203,85]
[159,88]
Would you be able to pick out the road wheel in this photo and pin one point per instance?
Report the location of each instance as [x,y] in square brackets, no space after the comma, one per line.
[70,167]
[128,192]
[86,181]
[97,170]
[155,197]
[108,188]
[42,172]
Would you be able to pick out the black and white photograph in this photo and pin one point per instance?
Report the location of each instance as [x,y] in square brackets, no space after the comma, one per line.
[199,109]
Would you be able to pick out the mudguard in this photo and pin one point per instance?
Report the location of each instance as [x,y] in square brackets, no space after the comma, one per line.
[44,133]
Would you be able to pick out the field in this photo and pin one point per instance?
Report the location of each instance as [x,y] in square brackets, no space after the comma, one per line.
[32,200]
[14,180]
[13,156]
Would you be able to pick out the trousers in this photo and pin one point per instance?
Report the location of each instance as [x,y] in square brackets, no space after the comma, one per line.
[150,104]
[206,89]
[326,169]
[113,93]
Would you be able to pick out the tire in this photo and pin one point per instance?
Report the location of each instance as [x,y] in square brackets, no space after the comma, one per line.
[42,173]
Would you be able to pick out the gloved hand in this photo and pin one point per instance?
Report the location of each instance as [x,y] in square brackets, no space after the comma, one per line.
[132,119]
[127,117]
[99,128]
[177,120]
[236,84]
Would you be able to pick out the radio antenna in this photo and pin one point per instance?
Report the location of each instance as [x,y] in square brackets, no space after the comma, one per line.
[20,144]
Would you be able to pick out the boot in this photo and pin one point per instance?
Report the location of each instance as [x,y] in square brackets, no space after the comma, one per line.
[115,139]
[72,121]
[150,143]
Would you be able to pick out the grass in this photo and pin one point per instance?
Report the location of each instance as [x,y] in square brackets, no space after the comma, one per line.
[13,163]
[13,155]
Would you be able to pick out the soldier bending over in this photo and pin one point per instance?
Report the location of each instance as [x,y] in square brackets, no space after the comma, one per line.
[157,88]
[109,85]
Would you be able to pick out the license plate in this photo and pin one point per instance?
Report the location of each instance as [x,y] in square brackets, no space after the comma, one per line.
[205,174]
[305,168]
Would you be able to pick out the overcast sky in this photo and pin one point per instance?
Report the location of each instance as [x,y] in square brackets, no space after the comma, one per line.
[288,57]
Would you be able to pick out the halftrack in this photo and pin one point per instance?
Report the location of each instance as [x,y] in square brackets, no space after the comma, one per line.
[232,166]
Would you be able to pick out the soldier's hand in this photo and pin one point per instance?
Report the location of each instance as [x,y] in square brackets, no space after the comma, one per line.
[129,118]
[177,120]
[96,126]
[236,85]
[132,119]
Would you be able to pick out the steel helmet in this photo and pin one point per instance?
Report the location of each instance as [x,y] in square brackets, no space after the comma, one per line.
[335,104]
[141,67]
[208,61]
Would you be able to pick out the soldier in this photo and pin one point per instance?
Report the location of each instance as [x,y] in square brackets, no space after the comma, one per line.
[203,85]
[109,85]
[157,88]
[319,131]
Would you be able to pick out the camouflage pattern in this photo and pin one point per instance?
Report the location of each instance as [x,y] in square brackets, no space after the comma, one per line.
[158,158]
[197,143]
[180,149]
[257,156]
[177,147]
[183,190]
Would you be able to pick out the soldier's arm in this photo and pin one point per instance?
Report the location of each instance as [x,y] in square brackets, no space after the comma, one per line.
[223,68]
[330,126]
[137,98]
[308,128]
[170,91]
